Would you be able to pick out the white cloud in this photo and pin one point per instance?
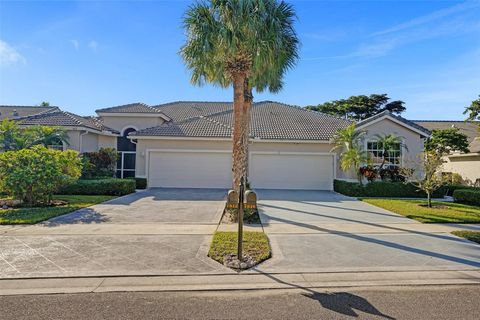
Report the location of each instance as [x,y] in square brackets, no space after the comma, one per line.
[93,45]
[9,55]
[429,17]
[75,43]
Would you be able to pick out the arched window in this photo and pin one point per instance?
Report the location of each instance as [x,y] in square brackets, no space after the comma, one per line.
[127,152]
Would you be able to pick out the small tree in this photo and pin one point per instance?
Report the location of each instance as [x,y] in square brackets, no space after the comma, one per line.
[352,156]
[34,175]
[426,175]
[445,141]
[389,143]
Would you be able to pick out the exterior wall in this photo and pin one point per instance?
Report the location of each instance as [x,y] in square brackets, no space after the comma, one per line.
[139,123]
[89,142]
[467,166]
[144,144]
[412,140]
[107,142]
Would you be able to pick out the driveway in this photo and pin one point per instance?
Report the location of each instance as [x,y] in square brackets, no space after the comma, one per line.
[152,232]
[313,231]
[156,205]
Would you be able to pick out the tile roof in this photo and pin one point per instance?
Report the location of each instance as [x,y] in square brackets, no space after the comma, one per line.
[469,128]
[137,107]
[388,113]
[13,112]
[270,120]
[64,119]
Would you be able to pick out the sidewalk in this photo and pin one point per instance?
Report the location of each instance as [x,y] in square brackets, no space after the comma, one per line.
[243,281]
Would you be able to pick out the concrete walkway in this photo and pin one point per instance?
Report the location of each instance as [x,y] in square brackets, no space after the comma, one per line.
[152,232]
[313,231]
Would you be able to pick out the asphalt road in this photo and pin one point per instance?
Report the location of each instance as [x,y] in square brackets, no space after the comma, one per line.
[448,302]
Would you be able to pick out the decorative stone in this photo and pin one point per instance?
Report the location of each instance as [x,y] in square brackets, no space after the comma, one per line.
[231,261]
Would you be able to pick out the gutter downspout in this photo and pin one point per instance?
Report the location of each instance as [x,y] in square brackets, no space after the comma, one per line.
[81,140]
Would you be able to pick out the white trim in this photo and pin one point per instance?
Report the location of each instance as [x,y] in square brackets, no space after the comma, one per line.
[403,124]
[134,114]
[127,127]
[149,151]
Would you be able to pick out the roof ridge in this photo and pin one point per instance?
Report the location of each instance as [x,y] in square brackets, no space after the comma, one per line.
[73,116]
[33,116]
[463,121]
[216,122]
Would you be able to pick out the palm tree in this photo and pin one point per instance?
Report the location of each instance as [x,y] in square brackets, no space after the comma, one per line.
[9,134]
[49,136]
[389,144]
[249,44]
[350,141]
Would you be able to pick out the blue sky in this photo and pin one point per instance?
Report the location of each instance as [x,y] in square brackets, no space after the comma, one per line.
[84,55]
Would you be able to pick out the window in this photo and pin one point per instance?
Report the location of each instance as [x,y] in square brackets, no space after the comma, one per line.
[126,155]
[376,154]
[56,144]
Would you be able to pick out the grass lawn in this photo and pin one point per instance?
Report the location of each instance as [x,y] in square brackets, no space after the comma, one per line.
[469,235]
[37,214]
[255,244]
[449,213]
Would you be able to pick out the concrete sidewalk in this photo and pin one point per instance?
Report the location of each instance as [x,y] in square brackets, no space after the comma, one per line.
[244,281]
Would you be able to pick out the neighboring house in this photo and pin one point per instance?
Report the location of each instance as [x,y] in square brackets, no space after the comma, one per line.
[188,144]
[465,164]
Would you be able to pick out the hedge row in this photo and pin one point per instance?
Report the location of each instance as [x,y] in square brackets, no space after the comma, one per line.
[449,189]
[468,196]
[382,189]
[141,183]
[113,187]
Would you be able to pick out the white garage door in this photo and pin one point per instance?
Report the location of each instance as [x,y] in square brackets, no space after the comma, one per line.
[190,169]
[308,171]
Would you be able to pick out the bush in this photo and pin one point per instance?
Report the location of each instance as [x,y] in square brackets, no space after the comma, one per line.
[450,188]
[99,164]
[111,187]
[467,196]
[34,175]
[141,183]
[381,189]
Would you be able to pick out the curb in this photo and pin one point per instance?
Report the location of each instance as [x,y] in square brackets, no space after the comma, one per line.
[233,282]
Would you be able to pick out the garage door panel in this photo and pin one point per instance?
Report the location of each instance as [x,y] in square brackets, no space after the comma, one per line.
[291,171]
[190,170]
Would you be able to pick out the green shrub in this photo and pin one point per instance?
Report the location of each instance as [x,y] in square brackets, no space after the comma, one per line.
[381,189]
[99,164]
[467,196]
[141,183]
[34,175]
[111,187]
[450,188]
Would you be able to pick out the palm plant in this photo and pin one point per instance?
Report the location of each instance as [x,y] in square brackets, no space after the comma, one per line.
[49,136]
[248,44]
[389,144]
[9,134]
[350,141]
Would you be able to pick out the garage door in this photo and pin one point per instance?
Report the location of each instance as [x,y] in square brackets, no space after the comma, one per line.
[190,169]
[308,171]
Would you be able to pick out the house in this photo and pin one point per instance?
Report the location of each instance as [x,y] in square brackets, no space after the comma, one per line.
[465,164]
[188,143]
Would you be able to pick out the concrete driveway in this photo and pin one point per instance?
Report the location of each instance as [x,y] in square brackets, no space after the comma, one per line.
[313,231]
[152,232]
[156,205]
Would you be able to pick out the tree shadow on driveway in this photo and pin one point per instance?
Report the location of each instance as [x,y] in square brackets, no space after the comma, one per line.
[81,216]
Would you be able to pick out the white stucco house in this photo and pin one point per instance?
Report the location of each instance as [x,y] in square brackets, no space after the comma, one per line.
[188,143]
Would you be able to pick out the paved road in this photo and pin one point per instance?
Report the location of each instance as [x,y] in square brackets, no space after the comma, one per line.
[388,303]
[325,231]
[157,231]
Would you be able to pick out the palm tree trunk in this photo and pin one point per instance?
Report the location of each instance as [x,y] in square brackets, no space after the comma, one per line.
[240,158]
[248,96]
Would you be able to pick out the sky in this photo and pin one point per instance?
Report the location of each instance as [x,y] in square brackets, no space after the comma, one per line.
[86,55]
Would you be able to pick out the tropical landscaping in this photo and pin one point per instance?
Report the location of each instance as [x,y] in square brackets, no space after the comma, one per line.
[34,170]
